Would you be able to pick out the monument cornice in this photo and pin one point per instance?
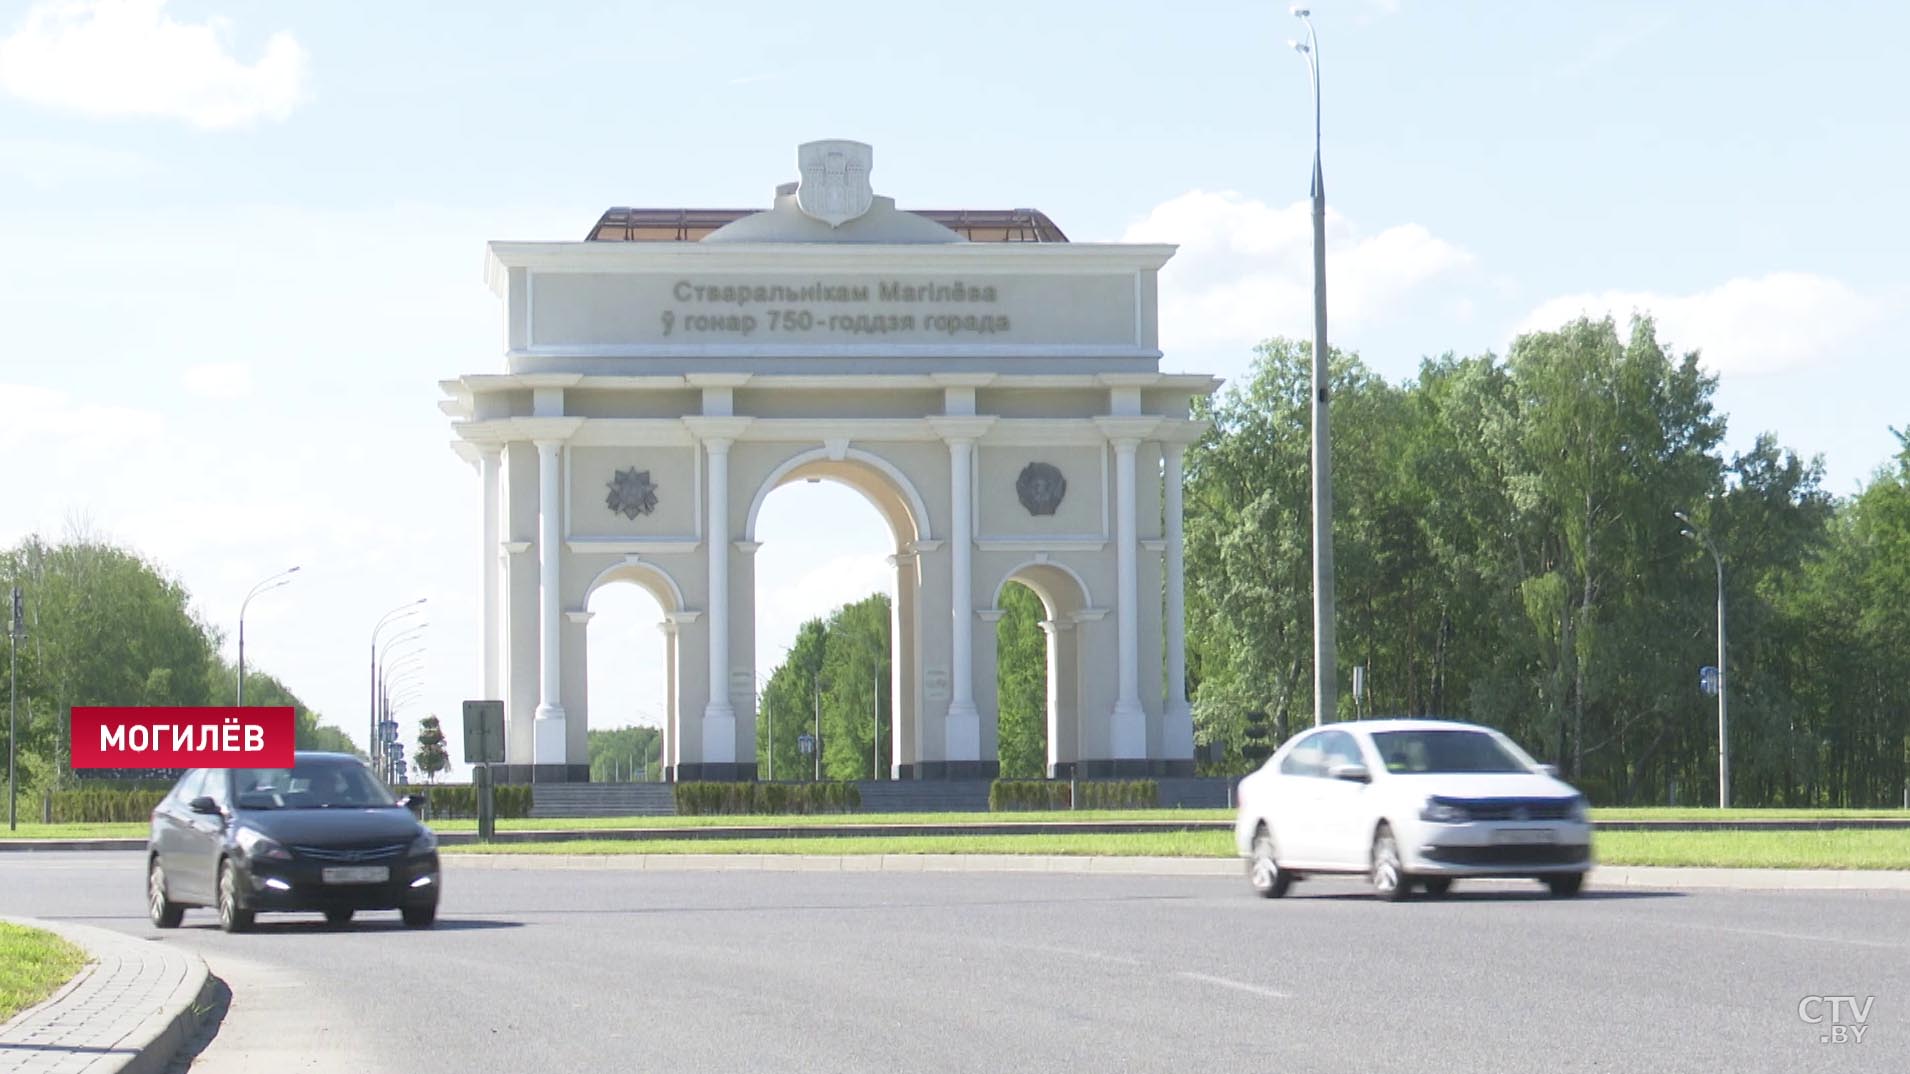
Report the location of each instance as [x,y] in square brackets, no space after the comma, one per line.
[1072,258]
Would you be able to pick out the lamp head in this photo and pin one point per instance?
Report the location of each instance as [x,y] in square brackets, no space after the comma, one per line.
[1299,12]
[1299,46]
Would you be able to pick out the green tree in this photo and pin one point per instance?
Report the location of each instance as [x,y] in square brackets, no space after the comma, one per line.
[1021,685]
[625,753]
[431,758]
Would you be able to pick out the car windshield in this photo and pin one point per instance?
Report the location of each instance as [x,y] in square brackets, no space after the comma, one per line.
[315,785]
[1411,752]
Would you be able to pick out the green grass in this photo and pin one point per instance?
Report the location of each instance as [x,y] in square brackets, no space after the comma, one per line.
[36,830]
[1700,813]
[1146,844]
[33,963]
[1758,850]
[825,820]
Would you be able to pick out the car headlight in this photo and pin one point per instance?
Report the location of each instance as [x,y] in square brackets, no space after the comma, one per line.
[1581,810]
[426,842]
[1443,812]
[257,844]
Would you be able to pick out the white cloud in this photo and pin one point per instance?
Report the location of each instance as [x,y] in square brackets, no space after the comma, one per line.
[219,380]
[113,58]
[49,424]
[1764,324]
[1245,268]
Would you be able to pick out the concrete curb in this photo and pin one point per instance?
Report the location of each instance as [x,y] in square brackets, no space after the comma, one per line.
[134,1006]
[1609,876]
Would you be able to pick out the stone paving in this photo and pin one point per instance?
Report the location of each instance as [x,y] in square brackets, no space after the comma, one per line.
[127,1010]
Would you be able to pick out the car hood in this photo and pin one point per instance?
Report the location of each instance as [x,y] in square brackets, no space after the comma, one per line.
[1482,785]
[333,827]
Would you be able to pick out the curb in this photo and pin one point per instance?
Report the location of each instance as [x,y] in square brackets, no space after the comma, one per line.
[133,1007]
[1608,876]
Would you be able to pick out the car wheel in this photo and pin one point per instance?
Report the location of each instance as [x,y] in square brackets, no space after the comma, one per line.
[1565,885]
[1437,886]
[232,917]
[420,917]
[338,918]
[165,913]
[1263,867]
[1389,879]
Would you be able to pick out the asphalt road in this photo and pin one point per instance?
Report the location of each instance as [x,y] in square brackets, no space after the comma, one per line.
[554,970]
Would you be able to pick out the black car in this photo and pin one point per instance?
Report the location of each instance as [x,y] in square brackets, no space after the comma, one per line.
[324,835]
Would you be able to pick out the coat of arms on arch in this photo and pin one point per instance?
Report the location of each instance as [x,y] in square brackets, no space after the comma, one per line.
[632,493]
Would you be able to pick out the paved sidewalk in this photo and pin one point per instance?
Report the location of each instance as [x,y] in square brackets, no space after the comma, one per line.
[128,1010]
[1628,876]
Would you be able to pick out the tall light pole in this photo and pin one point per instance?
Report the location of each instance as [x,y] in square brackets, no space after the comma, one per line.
[408,608]
[1692,531]
[16,629]
[283,577]
[1325,652]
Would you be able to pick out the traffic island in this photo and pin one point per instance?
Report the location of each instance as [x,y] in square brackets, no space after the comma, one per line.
[129,1009]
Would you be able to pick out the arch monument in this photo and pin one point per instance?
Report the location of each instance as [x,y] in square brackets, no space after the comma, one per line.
[991,388]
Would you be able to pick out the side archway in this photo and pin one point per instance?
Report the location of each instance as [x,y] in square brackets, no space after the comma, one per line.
[668,595]
[1063,595]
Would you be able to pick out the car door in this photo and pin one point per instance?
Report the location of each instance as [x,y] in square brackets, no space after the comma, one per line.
[1339,804]
[204,836]
[1293,811]
[171,831]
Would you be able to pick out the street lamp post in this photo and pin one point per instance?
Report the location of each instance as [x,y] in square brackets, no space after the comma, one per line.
[16,629]
[1692,531]
[283,577]
[1325,655]
[407,608]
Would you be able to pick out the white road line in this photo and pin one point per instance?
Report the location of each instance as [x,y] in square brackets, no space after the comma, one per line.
[1239,986]
[1785,935]
[1075,952]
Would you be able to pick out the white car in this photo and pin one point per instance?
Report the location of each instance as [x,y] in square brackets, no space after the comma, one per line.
[1410,802]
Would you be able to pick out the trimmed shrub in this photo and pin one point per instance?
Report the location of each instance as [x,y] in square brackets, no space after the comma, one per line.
[1009,795]
[103,805]
[707,798]
[458,801]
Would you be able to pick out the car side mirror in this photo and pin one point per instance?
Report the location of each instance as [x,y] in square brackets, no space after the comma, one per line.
[1352,773]
[203,804]
[413,802]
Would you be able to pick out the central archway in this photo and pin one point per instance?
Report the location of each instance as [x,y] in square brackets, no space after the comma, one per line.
[900,506]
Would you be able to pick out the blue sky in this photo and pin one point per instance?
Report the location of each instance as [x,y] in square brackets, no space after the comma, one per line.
[243,241]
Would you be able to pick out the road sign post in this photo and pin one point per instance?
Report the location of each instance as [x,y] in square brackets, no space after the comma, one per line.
[484,747]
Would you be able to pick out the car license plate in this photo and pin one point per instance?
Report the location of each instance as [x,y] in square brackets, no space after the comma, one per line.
[1524,836]
[357,874]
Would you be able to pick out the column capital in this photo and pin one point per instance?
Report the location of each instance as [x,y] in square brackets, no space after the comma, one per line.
[1055,626]
[901,559]
[717,434]
[540,430]
[748,548]
[991,615]
[961,430]
[489,452]
[1127,432]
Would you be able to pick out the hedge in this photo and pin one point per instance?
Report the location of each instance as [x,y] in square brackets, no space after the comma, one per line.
[706,798]
[1006,795]
[451,801]
[103,805]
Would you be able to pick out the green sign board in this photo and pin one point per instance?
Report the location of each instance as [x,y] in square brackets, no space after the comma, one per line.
[484,732]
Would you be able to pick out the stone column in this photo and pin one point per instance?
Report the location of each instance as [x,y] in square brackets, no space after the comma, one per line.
[666,753]
[1178,718]
[719,716]
[1059,634]
[963,727]
[903,755]
[1130,720]
[490,636]
[550,740]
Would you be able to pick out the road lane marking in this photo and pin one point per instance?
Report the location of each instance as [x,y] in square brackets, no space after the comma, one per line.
[1239,986]
[1787,935]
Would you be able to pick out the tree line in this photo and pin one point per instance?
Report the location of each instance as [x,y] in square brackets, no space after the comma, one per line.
[1506,552]
[105,626]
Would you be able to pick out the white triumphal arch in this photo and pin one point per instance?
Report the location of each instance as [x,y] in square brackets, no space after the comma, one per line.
[990,387]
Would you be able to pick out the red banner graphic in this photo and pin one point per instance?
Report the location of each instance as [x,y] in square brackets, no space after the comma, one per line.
[137,737]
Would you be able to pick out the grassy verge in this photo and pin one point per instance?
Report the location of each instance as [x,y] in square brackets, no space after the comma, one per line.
[1699,813]
[1758,850]
[1147,844]
[1762,850]
[33,963]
